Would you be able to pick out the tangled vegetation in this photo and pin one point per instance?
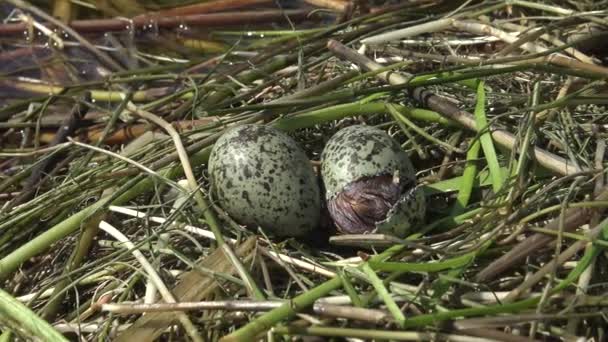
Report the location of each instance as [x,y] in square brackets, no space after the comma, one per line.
[109,110]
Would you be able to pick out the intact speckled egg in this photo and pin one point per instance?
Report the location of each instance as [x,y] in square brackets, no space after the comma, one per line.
[261,177]
[370,183]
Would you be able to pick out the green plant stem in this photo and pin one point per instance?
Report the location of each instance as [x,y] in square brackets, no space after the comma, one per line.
[350,290]
[352,109]
[423,267]
[285,311]
[22,320]
[383,293]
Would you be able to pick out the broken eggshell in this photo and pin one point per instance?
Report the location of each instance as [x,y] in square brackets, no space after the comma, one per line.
[370,183]
[261,177]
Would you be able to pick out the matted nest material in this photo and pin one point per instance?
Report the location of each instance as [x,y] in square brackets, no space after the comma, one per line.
[110,227]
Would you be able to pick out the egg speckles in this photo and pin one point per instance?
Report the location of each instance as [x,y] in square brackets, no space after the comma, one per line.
[261,177]
[370,183]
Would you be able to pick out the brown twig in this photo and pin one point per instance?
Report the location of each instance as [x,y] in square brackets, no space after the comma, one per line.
[327,310]
[204,7]
[126,133]
[200,20]
[226,305]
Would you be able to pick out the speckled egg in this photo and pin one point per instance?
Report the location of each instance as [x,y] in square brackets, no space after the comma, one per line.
[261,177]
[370,183]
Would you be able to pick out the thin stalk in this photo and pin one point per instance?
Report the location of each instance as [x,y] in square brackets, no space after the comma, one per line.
[78,255]
[519,171]
[390,108]
[557,207]
[408,134]
[432,26]
[559,260]
[372,334]
[383,293]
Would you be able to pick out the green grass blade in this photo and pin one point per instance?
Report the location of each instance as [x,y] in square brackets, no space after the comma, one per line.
[342,111]
[482,178]
[467,180]
[486,138]
[422,267]
[20,318]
